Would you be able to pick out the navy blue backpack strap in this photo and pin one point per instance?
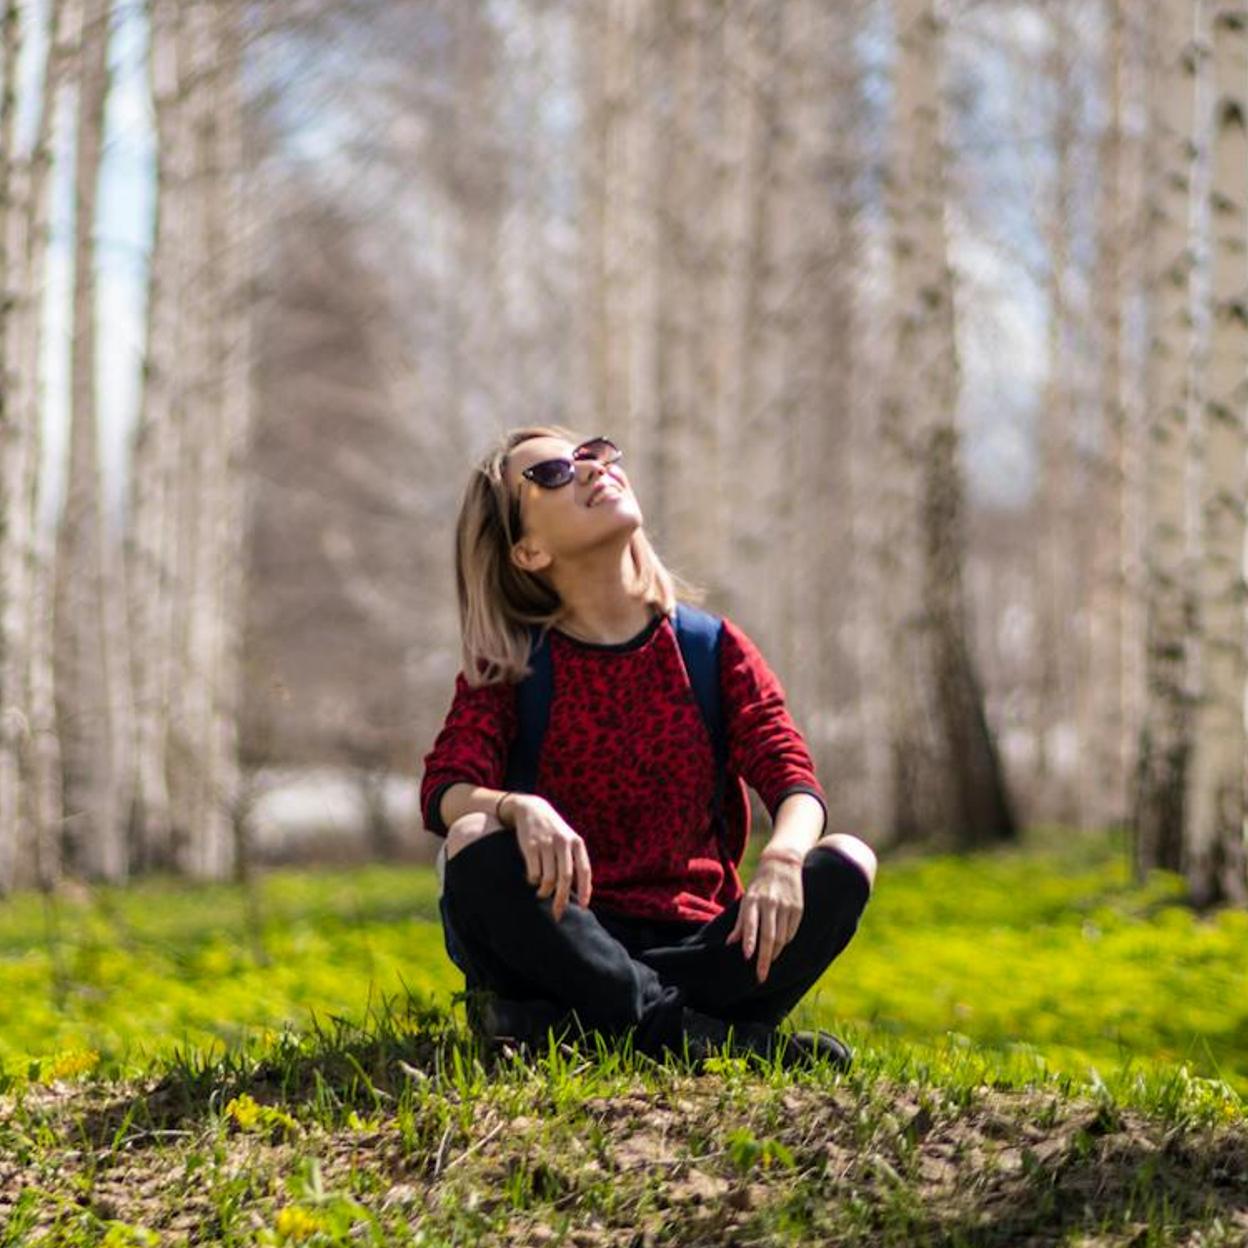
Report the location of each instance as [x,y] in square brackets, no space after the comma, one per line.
[699,633]
[533,698]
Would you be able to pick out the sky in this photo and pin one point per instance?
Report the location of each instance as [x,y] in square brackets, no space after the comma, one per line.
[124,228]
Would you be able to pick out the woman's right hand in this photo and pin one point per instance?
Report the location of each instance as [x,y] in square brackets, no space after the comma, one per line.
[555,857]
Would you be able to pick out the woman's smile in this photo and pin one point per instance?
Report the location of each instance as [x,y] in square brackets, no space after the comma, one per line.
[604,489]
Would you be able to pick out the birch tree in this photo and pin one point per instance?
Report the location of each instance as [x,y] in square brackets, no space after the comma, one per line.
[29,554]
[1101,730]
[1054,599]
[84,688]
[686,448]
[973,804]
[1214,848]
[622,239]
[12,437]
[1165,744]
[821,83]
[211,425]
[150,550]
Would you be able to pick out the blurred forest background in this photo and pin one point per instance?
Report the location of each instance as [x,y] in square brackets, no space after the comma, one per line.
[923,327]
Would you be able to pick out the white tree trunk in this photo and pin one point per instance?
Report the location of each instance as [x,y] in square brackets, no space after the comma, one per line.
[151,516]
[820,95]
[739,205]
[34,561]
[84,663]
[1214,849]
[1103,742]
[209,411]
[632,227]
[13,439]
[234,511]
[196,413]
[896,666]
[1165,744]
[1053,597]
[686,452]
[972,805]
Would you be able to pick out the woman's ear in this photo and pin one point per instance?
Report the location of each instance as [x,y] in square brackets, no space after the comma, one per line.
[529,556]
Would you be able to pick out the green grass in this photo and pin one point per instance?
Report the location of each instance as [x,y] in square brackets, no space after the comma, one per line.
[1044,1055]
[1046,958]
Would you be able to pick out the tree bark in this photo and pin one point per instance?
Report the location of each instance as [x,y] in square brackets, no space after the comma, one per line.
[1103,729]
[150,548]
[84,660]
[12,441]
[1214,849]
[1054,601]
[1165,741]
[975,805]
[34,563]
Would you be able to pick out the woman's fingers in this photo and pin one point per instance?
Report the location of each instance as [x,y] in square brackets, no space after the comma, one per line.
[584,884]
[749,925]
[795,921]
[532,859]
[766,941]
[556,862]
[563,885]
[549,871]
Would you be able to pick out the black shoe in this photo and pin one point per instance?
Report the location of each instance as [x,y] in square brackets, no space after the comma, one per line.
[813,1048]
[521,1025]
[706,1036]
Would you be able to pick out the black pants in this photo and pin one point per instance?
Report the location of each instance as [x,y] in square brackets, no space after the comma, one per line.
[617,972]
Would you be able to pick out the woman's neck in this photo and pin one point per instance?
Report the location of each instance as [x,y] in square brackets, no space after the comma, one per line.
[608,628]
[599,605]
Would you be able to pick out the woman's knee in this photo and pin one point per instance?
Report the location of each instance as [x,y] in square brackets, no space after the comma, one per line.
[855,850]
[483,863]
[467,829]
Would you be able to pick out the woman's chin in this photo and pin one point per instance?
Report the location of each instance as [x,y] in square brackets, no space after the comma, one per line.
[619,528]
[619,510]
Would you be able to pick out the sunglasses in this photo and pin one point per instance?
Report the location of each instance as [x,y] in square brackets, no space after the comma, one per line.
[550,474]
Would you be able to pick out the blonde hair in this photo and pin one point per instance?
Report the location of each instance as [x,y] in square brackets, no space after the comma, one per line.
[499,602]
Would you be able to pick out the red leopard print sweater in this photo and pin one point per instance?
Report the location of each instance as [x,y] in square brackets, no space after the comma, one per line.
[627,762]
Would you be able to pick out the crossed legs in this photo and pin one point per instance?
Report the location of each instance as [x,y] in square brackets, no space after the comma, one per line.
[513,944]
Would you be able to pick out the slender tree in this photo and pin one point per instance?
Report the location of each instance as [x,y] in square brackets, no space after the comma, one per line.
[1165,743]
[1102,722]
[210,428]
[84,677]
[974,805]
[150,542]
[12,438]
[1053,600]
[1214,847]
[35,563]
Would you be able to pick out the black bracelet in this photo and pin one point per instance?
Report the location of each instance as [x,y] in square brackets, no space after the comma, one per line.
[498,807]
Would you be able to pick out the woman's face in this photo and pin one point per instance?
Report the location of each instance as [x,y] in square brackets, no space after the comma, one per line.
[598,505]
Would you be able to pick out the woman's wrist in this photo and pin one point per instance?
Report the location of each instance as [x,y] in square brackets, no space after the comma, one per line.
[782,853]
[509,805]
[508,797]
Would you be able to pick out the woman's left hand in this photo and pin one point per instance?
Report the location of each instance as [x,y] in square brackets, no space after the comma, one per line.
[769,912]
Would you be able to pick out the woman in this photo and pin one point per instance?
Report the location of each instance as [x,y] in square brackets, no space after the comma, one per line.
[606,891]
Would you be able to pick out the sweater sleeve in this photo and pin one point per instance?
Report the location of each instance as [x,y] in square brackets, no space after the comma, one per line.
[765,746]
[471,747]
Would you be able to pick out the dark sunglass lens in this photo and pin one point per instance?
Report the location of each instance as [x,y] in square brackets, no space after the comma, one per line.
[597,448]
[552,472]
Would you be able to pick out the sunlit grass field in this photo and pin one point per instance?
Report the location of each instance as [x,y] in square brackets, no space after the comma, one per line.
[1042,959]
[1044,1055]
